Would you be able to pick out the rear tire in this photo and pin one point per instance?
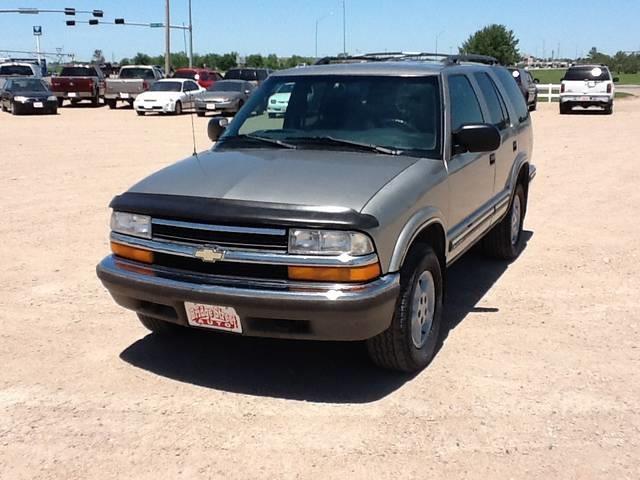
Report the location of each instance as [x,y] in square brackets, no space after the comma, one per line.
[95,101]
[159,326]
[608,110]
[112,104]
[505,241]
[200,114]
[60,101]
[410,342]
[140,113]
[564,109]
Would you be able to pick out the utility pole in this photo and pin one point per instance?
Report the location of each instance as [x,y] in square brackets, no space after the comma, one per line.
[344,27]
[190,37]
[167,40]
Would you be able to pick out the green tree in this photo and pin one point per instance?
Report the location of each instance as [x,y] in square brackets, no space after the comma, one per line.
[98,57]
[495,41]
[141,59]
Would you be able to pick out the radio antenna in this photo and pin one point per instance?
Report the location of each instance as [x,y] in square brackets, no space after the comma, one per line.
[193,135]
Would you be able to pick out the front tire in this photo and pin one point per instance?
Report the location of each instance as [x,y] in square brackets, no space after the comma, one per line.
[410,342]
[178,109]
[505,241]
[140,113]
[158,326]
[14,109]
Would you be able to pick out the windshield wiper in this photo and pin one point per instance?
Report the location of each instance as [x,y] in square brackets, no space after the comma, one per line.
[328,140]
[272,141]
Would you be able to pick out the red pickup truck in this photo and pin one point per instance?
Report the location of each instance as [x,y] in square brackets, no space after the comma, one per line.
[78,82]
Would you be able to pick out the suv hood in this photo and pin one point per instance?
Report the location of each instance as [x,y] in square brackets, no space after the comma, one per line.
[296,177]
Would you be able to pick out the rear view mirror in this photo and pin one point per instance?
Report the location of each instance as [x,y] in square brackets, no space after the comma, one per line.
[216,128]
[476,137]
[536,81]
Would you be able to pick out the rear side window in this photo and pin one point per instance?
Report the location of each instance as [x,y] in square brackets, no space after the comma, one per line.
[514,94]
[465,107]
[78,72]
[497,109]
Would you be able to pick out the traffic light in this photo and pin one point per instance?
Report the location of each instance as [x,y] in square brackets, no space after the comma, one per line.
[71,23]
[98,13]
[69,11]
[93,22]
[119,21]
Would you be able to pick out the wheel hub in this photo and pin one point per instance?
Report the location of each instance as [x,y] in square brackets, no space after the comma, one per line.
[422,308]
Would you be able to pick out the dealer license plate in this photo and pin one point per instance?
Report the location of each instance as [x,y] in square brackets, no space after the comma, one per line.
[38,105]
[72,94]
[213,316]
[124,95]
[211,106]
[584,99]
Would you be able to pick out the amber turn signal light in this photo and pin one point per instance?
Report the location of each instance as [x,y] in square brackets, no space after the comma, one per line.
[132,253]
[335,274]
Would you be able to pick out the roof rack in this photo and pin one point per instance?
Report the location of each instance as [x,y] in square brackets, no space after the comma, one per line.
[409,56]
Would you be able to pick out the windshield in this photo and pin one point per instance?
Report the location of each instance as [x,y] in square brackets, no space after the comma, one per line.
[78,72]
[28,85]
[137,73]
[21,70]
[240,74]
[223,86]
[396,113]
[166,87]
[587,74]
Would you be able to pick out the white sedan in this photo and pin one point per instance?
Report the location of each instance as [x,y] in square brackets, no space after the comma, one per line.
[170,95]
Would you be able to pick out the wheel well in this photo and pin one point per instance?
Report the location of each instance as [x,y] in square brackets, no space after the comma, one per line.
[434,236]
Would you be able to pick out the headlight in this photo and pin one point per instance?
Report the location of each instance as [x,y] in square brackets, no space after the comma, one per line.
[20,99]
[131,224]
[52,98]
[329,242]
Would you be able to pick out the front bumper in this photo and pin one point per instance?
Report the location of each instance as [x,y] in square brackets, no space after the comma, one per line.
[154,107]
[205,107]
[29,107]
[276,309]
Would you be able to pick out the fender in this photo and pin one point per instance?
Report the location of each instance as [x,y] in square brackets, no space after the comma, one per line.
[417,223]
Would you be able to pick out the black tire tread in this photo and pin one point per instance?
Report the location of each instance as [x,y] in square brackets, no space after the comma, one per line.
[497,243]
[389,349]
[158,326]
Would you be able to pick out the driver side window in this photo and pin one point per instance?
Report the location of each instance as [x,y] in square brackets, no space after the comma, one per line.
[465,107]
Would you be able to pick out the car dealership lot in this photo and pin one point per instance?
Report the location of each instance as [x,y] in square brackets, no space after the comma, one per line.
[538,375]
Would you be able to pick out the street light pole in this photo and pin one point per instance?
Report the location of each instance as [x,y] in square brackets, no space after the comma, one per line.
[344,27]
[167,40]
[437,37]
[190,38]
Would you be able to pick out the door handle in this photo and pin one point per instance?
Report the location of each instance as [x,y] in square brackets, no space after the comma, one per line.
[515,145]
[492,159]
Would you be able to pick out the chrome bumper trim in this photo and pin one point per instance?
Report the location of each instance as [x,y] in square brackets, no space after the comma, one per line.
[247,288]
[246,256]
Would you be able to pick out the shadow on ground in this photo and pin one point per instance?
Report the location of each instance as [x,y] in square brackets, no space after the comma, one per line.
[302,370]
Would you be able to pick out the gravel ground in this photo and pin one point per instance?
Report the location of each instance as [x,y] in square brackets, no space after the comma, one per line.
[538,376]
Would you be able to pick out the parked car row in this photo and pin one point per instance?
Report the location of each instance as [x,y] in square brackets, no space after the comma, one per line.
[143,87]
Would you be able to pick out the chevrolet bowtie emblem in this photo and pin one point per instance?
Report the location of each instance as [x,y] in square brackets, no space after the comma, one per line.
[210,255]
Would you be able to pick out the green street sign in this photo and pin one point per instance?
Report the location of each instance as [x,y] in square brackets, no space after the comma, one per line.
[156,25]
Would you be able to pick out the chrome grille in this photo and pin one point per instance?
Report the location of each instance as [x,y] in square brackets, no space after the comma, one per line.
[249,238]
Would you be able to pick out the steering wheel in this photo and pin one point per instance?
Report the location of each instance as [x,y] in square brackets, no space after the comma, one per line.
[398,122]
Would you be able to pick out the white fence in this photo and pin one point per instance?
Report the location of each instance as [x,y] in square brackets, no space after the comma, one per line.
[548,91]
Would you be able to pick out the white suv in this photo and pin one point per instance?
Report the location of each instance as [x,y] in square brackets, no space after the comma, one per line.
[587,86]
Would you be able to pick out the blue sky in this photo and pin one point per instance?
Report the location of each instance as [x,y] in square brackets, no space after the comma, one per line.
[286,26]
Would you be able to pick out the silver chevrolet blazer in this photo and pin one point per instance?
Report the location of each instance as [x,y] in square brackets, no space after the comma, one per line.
[338,219]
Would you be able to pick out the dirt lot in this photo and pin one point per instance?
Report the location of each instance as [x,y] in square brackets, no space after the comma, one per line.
[539,376]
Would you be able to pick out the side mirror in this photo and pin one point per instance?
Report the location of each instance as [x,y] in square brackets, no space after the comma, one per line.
[247,92]
[216,128]
[562,79]
[616,79]
[536,81]
[476,137]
